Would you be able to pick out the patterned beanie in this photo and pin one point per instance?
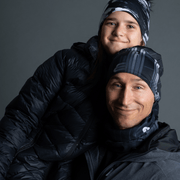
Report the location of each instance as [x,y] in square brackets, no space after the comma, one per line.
[139,9]
[142,62]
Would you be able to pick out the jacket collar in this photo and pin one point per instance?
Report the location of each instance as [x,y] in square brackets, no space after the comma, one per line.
[164,138]
[90,48]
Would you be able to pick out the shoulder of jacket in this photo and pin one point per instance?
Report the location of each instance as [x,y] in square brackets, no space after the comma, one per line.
[72,57]
[69,53]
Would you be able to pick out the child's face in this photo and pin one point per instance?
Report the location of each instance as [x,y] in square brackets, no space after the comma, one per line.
[120,30]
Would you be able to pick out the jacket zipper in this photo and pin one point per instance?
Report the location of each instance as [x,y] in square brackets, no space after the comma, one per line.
[30,144]
[106,172]
[90,164]
[109,169]
[83,132]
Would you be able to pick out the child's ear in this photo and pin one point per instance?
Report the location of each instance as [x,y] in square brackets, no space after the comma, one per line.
[142,43]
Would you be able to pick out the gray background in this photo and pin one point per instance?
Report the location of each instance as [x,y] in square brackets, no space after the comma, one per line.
[32,31]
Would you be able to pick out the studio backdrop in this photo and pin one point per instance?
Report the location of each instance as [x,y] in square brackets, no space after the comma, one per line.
[32,31]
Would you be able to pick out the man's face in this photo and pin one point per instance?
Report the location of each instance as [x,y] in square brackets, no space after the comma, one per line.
[120,30]
[129,99]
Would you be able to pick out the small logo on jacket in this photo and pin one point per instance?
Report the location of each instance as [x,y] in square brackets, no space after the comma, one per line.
[145,129]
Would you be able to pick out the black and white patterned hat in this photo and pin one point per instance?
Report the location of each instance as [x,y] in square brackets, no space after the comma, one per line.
[142,62]
[139,9]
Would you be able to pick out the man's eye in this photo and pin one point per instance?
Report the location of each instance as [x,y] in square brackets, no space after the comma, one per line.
[138,87]
[111,23]
[117,85]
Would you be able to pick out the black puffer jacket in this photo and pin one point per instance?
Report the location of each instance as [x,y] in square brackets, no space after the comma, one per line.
[52,118]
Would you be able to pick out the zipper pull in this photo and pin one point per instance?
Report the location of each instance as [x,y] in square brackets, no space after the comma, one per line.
[111,170]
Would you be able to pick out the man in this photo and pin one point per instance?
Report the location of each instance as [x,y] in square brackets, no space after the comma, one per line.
[137,146]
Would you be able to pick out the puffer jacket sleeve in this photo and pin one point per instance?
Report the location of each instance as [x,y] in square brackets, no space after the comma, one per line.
[23,114]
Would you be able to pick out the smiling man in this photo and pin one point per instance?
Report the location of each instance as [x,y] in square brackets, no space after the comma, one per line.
[129,99]
[139,147]
[135,146]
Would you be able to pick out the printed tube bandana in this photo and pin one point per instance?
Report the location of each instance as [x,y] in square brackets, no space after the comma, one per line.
[142,62]
[139,9]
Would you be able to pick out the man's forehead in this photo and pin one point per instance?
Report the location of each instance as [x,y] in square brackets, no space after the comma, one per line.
[124,76]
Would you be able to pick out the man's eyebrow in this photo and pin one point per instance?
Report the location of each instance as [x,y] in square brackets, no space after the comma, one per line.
[138,79]
[135,80]
[115,78]
[108,18]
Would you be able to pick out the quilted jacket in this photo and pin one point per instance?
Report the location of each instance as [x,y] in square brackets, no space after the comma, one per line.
[52,119]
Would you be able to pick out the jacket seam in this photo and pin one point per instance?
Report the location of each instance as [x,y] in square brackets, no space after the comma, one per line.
[160,169]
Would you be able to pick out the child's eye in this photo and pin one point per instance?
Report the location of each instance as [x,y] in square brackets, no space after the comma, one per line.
[130,26]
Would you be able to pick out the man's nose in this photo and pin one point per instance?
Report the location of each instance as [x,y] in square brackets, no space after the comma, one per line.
[126,97]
